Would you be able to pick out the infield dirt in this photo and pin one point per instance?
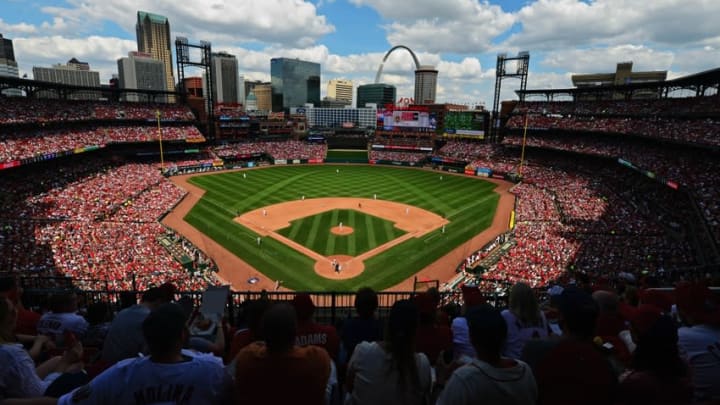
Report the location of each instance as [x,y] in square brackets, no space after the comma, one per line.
[413,220]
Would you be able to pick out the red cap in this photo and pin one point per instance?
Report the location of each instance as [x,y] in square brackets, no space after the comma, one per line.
[472,296]
[303,305]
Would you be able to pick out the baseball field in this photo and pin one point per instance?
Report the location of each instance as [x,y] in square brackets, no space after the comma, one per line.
[383,224]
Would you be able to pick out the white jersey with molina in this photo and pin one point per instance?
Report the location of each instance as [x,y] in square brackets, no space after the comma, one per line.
[199,380]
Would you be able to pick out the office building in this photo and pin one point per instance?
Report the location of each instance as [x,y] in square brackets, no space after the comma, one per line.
[194,86]
[340,90]
[425,85]
[263,97]
[8,64]
[250,85]
[74,73]
[251,102]
[143,72]
[153,37]
[378,93]
[294,83]
[225,76]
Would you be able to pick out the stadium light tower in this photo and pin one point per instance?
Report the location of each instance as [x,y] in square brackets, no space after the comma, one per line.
[502,72]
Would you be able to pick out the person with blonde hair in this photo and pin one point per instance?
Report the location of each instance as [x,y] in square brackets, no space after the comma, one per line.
[524,320]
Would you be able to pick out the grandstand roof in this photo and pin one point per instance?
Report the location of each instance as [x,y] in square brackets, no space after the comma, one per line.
[708,78]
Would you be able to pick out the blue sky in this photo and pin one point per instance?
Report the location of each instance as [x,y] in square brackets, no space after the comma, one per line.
[349,38]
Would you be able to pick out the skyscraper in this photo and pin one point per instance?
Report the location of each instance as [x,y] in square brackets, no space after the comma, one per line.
[294,83]
[8,65]
[153,37]
[74,73]
[377,93]
[225,74]
[141,71]
[340,90]
[425,85]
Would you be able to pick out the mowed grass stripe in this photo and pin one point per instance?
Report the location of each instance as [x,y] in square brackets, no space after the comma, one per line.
[470,204]
[352,242]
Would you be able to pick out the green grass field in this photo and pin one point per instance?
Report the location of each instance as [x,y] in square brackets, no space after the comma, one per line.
[314,232]
[468,203]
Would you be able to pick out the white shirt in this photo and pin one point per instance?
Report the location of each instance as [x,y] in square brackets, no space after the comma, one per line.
[200,380]
[701,345]
[18,378]
[55,324]
[518,334]
[481,383]
[375,384]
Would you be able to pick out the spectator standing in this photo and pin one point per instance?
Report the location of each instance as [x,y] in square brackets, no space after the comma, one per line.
[490,378]
[277,371]
[432,337]
[364,327]
[310,332]
[572,369]
[62,318]
[391,372]
[699,339]
[165,376]
[19,378]
[657,374]
[125,338]
[462,347]
[524,320]
[27,320]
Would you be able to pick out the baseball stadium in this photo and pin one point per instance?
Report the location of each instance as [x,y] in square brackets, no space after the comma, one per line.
[614,188]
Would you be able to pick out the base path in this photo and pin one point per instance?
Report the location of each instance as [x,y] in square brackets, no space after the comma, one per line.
[267,220]
[411,219]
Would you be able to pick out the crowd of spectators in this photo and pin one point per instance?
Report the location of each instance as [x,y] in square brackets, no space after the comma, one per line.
[92,220]
[21,110]
[580,216]
[410,157]
[289,149]
[410,142]
[680,106]
[19,145]
[701,131]
[581,343]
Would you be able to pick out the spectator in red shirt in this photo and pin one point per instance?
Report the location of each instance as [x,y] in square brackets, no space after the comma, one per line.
[572,369]
[311,333]
[657,374]
[431,338]
[254,312]
[27,320]
[277,371]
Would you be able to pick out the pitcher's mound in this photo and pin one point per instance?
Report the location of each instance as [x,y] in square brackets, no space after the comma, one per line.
[349,267]
[345,230]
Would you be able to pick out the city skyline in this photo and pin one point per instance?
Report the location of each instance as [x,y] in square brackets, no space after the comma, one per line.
[349,38]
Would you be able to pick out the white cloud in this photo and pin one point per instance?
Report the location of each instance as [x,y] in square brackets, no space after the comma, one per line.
[288,22]
[596,60]
[458,26]
[9,30]
[553,24]
[100,52]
